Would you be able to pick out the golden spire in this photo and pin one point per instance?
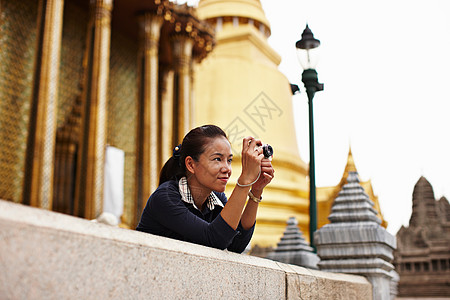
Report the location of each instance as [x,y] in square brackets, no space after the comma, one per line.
[367,185]
[350,167]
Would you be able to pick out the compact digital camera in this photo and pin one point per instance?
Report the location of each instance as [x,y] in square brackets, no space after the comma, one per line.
[267,150]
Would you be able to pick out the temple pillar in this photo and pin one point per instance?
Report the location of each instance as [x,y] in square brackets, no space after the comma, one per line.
[91,155]
[192,95]
[182,51]
[147,151]
[167,115]
[38,179]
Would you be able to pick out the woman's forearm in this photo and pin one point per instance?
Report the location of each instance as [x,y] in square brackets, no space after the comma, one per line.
[252,169]
[232,210]
[249,215]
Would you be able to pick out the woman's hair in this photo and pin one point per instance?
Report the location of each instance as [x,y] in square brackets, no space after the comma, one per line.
[193,145]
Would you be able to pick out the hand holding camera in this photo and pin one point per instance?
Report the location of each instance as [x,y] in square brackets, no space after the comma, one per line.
[267,171]
[257,170]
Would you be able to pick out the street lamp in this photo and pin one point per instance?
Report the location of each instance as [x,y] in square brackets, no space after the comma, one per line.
[307,54]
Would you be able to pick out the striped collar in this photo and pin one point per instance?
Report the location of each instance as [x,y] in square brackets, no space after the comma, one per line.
[186,196]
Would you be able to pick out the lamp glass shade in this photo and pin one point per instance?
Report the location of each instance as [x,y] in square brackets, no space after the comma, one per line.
[308,58]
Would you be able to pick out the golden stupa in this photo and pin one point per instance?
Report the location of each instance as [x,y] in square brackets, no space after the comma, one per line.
[239,87]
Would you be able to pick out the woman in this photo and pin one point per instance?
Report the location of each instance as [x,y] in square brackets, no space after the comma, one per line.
[190,204]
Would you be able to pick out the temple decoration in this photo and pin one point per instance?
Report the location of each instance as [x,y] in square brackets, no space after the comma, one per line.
[293,249]
[147,152]
[182,46]
[354,241]
[326,195]
[422,258]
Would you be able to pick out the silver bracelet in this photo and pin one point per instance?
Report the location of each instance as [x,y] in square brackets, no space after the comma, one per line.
[251,196]
[250,184]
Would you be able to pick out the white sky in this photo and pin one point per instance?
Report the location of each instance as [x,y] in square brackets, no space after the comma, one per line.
[386,69]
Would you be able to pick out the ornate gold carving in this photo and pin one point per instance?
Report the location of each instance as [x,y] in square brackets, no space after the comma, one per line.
[102,11]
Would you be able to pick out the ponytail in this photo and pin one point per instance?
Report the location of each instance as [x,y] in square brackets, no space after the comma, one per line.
[171,170]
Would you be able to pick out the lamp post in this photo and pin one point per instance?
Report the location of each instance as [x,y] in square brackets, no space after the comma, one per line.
[308,58]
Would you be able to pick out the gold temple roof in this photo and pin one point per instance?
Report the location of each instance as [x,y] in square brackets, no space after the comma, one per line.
[326,195]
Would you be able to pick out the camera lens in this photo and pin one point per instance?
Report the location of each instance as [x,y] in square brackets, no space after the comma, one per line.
[267,150]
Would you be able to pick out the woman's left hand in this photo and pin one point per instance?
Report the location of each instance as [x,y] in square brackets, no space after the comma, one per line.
[267,173]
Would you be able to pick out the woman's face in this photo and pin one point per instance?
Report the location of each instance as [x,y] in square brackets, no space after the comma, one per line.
[213,168]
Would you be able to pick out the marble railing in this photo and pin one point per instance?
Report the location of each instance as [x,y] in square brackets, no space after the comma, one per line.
[47,255]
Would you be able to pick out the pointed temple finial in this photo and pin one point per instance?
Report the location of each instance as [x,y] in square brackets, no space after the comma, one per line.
[353,204]
[420,242]
[293,249]
[350,167]
[424,211]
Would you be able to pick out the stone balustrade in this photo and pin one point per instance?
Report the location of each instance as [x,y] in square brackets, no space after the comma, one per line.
[47,255]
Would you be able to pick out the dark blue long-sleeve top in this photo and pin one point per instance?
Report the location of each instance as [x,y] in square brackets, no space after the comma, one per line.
[166,214]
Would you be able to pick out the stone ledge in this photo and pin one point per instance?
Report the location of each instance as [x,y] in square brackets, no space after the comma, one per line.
[47,255]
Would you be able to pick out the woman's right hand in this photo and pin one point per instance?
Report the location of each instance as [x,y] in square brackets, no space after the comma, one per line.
[252,155]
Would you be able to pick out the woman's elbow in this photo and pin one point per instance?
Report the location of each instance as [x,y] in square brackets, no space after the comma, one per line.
[218,243]
[221,245]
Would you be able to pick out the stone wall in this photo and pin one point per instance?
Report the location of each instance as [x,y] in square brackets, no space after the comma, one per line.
[47,255]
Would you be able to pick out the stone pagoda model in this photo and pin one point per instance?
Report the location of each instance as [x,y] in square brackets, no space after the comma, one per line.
[293,249]
[423,255]
[355,242]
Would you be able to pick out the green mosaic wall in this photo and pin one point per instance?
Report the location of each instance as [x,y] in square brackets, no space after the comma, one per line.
[17,54]
[72,51]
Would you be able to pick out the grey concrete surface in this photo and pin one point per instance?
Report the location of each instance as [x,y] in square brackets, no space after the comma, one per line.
[47,255]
